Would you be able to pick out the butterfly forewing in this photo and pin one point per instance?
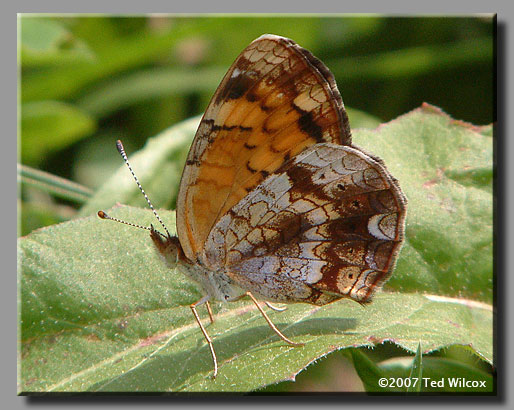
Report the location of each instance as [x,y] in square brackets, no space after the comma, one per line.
[274,102]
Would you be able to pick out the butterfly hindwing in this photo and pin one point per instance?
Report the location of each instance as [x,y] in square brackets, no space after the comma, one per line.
[326,225]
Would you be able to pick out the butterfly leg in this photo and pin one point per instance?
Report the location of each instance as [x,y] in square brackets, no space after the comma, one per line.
[209,311]
[270,323]
[202,328]
[275,308]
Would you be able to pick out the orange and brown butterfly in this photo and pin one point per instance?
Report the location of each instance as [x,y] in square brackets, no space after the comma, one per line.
[275,202]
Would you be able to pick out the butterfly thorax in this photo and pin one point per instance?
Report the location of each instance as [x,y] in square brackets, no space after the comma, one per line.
[215,283]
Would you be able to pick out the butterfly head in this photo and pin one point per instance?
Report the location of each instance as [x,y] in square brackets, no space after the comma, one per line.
[168,247]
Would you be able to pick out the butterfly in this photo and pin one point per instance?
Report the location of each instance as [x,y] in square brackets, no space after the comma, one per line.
[275,202]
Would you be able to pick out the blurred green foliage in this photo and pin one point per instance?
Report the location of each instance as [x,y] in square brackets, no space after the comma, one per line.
[86,81]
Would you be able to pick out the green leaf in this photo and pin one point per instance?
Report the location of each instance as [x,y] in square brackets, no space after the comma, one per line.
[46,42]
[47,126]
[100,312]
[47,182]
[41,34]
[449,235]
[416,372]
[361,119]
[369,372]
[39,215]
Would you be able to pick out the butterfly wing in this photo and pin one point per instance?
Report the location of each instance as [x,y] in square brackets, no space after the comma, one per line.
[276,100]
[328,224]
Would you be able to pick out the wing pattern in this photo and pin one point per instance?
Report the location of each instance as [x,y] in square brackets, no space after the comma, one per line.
[276,100]
[328,224]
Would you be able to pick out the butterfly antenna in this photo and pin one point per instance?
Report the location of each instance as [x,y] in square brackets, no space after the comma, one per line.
[104,215]
[121,150]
